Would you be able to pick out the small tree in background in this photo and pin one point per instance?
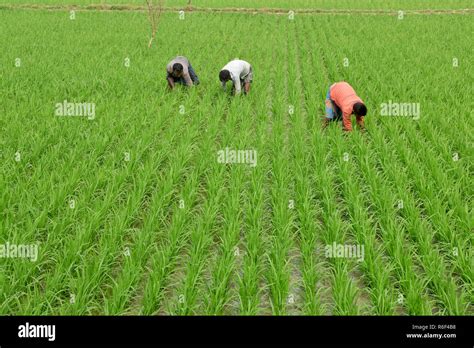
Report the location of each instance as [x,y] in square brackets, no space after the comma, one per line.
[155,8]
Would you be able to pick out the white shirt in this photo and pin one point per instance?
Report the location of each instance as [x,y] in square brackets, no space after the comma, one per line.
[239,69]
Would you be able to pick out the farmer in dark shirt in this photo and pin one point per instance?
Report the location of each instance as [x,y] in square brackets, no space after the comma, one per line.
[179,70]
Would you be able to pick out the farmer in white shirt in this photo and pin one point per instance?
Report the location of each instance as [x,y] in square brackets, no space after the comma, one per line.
[240,73]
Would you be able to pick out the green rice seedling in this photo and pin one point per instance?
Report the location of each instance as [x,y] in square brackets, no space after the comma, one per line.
[278,272]
[201,238]
[130,275]
[249,282]
[224,281]
[218,294]
[376,269]
[307,210]
[433,262]
[343,289]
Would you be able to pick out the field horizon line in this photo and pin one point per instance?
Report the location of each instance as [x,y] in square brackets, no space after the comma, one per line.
[253,11]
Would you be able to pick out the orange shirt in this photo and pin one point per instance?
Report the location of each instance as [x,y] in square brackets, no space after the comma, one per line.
[344,96]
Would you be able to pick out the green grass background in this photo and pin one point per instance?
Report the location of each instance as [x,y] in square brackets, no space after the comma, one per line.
[184,261]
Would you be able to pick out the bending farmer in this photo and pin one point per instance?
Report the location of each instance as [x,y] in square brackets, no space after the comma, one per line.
[179,70]
[240,73]
[341,102]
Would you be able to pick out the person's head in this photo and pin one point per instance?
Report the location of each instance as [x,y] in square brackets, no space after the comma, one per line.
[177,70]
[224,75]
[359,109]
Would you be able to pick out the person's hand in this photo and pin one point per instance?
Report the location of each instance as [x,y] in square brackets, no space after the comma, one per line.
[360,123]
[325,123]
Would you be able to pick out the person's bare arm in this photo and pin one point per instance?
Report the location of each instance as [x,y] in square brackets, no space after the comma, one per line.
[170,82]
[187,78]
[346,122]
[246,87]
[237,87]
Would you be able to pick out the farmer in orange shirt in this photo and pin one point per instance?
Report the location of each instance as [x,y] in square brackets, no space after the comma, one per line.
[341,102]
